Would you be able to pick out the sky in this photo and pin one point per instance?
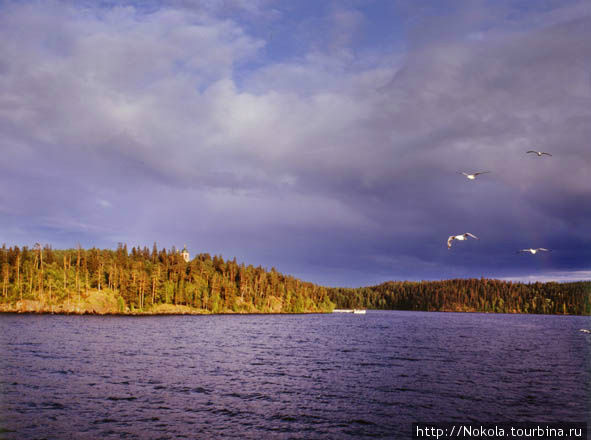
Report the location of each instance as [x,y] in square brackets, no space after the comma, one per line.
[322,138]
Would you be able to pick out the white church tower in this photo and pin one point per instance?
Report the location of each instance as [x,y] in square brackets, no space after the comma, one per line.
[185,254]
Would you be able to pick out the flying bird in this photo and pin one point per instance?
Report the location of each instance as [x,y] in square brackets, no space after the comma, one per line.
[473,176]
[539,153]
[533,251]
[460,237]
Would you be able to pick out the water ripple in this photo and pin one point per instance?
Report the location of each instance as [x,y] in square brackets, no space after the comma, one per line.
[278,377]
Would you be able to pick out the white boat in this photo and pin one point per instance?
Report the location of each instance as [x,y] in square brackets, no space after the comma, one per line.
[356,311]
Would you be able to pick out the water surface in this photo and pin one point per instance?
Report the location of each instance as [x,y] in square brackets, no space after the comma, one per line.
[286,376]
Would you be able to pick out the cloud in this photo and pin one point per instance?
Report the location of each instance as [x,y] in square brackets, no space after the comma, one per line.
[104,203]
[184,122]
[580,275]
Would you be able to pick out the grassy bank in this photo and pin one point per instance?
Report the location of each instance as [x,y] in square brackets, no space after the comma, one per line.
[107,302]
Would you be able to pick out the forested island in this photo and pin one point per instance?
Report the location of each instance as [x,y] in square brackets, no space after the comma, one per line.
[144,281]
[160,281]
[470,295]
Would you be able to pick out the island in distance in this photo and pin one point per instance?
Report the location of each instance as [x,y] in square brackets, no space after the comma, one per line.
[160,281]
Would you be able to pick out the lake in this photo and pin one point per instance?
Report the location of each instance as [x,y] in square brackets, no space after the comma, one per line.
[333,376]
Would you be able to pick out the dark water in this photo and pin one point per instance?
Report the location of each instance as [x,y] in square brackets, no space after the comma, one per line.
[304,376]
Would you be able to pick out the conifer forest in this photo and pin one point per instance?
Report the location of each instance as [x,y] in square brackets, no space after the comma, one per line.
[143,280]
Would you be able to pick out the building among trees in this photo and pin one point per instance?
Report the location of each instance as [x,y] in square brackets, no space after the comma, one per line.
[185,254]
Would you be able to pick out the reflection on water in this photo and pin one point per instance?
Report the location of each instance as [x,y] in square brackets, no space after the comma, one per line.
[286,376]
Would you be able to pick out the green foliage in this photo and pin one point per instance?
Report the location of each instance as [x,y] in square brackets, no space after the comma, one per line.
[476,295]
[144,280]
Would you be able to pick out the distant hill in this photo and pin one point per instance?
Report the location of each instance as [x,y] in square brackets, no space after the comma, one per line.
[470,295]
[159,281]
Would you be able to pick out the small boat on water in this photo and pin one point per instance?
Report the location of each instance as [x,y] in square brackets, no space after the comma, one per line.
[355,311]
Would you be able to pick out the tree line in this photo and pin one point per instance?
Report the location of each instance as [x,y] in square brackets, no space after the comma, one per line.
[142,278]
[474,295]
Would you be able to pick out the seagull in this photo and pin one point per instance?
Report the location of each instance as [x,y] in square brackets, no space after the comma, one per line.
[460,237]
[533,251]
[473,176]
[539,153]
[584,330]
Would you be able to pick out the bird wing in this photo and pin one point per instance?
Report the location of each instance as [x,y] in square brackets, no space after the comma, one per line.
[465,174]
[471,235]
[523,250]
[481,172]
[531,151]
[543,249]
[449,240]
[547,154]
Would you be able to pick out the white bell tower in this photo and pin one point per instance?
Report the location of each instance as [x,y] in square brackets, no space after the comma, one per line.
[185,254]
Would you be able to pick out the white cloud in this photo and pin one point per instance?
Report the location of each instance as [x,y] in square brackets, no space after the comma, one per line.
[179,106]
[104,203]
[557,276]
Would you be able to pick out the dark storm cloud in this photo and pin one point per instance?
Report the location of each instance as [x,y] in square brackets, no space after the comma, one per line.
[477,105]
[174,122]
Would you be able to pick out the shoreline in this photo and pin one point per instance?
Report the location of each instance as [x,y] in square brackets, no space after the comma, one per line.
[195,312]
[28,307]
[3,312]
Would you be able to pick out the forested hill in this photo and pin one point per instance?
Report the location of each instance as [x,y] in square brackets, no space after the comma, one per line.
[473,295]
[160,281]
[143,280]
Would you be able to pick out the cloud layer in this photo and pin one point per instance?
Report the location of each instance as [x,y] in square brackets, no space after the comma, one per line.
[324,141]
